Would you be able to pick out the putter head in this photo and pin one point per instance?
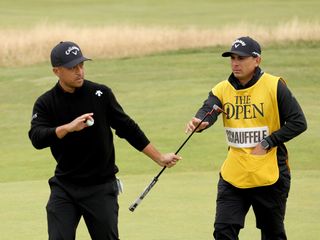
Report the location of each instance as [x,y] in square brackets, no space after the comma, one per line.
[219,109]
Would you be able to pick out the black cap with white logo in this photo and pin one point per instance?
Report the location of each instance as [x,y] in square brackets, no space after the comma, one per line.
[245,47]
[67,54]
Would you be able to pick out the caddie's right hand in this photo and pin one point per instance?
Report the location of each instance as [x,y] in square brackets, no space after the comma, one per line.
[193,123]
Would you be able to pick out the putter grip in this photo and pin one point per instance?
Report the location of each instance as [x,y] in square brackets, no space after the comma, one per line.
[143,194]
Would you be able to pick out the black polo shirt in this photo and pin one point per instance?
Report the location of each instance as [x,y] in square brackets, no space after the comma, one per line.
[85,157]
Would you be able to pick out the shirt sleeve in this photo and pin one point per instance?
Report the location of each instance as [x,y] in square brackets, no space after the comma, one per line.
[207,107]
[42,131]
[292,119]
[124,126]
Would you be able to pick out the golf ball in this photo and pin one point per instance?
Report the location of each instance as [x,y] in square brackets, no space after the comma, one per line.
[90,122]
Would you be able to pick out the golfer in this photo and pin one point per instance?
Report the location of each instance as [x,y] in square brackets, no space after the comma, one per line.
[74,119]
[262,114]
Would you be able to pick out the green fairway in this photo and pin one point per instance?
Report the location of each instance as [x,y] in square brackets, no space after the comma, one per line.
[173,85]
[161,92]
[202,13]
[181,206]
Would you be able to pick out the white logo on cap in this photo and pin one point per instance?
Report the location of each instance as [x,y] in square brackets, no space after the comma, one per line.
[74,50]
[237,43]
[256,54]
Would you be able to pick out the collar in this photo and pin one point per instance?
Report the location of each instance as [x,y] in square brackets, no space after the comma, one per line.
[77,91]
[236,83]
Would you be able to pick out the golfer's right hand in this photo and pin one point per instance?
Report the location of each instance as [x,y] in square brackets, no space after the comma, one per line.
[76,125]
[193,123]
[79,123]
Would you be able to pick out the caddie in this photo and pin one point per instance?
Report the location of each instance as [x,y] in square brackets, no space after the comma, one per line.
[262,114]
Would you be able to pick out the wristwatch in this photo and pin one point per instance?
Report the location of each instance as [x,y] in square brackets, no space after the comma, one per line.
[264,143]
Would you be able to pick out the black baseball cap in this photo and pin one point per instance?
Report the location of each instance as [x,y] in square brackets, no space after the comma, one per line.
[66,54]
[245,47]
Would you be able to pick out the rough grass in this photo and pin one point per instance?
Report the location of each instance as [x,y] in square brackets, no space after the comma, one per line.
[31,46]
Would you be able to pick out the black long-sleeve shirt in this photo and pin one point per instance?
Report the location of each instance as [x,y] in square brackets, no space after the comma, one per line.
[292,119]
[85,157]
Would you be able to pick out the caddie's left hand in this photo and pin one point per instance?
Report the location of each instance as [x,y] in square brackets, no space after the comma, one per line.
[258,150]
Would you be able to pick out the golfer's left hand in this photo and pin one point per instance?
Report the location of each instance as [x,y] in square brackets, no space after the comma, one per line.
[169,160]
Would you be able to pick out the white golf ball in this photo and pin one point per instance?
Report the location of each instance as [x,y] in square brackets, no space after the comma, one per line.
[89,122]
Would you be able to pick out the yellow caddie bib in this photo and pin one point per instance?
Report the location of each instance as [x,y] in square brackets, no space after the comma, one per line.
[252,116]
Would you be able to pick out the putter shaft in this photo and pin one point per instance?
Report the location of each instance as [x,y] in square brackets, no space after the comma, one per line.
[135,204]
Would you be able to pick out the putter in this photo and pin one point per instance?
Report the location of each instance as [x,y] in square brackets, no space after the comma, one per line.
[135,204]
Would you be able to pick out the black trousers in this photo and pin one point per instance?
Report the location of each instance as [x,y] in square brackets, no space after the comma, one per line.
[268,204]
[98,205]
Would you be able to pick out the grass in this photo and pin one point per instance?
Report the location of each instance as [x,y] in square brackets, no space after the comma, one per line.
[180,206]
[181,13]
[128,41]
[113,29]
[161,91]
[174,86]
